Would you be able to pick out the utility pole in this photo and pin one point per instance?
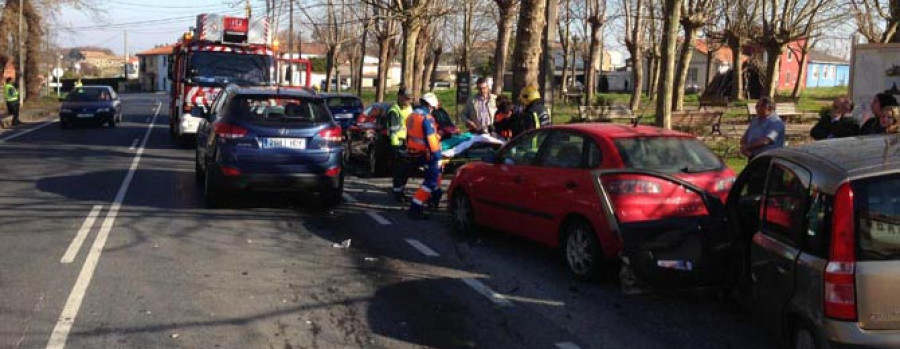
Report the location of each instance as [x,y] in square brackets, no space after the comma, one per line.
[248,9]
[21,60]
[362,62]
[290,49]
[548,73]
[125,50]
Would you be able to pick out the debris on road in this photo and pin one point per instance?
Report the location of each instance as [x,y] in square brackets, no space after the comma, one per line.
[371,259]
[175,335]
[342,244]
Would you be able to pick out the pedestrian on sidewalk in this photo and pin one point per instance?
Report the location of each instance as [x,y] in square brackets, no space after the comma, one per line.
[12,100]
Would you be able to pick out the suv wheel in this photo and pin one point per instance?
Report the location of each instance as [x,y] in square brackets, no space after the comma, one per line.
[803,339]
[212,192]
[374,164]
[462,215]
[581,250]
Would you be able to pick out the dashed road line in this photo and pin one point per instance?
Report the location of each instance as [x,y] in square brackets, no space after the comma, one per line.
[134,144]
[75,246]
[70,311]
[567,345]
[487,292]
[422,248]
[30,130]
[378,218]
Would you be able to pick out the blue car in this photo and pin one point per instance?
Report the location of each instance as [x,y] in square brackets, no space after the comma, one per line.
[97,105]
[268,140]
[344,107]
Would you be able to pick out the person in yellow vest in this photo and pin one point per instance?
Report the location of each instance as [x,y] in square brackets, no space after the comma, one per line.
[12,100]
[78,83]
[396,117]
[424,145]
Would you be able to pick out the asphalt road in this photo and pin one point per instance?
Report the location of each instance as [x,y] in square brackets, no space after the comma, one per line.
[156,269]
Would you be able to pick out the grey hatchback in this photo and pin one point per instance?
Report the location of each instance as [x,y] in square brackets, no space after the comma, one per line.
[819,231]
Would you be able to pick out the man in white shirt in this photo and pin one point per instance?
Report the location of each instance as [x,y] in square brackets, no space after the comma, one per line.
[479,111]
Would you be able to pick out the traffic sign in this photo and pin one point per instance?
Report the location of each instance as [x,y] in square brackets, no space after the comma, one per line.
[463,87]
[57,72]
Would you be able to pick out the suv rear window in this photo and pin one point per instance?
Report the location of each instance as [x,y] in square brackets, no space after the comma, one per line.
[667,154]
[344,102]
[878,209]
[281,109]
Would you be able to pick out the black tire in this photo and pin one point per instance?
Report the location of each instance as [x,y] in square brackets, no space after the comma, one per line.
[213,193]
[111,123]
[64,125]
[374,164]
[462,214]
[803,338]
[347,152]
[198,170]
[332,197]
[581,250]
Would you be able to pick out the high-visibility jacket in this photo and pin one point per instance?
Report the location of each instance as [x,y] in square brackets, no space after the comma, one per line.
[397,123]
[78,84]
[10,93]
[421,133]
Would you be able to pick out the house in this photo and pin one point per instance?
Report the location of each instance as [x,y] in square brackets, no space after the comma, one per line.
[827,71]
[154,69]
[721,62]
[789,67]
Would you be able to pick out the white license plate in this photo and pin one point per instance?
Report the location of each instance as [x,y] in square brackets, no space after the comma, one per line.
[289,143]
[343,116]
[85,115]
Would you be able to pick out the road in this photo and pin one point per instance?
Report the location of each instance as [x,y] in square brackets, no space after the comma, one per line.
[105,243]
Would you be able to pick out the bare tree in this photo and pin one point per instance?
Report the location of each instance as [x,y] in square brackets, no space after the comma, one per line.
[334,32]
[634,35]
[386,32]
[803,53]
[596,17]
[694,15]
[528,50]
[565,35]
[739,20]
[877,20]
[507,9]
[672,10]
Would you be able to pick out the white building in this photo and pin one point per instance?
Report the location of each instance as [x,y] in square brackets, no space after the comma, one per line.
[154,69]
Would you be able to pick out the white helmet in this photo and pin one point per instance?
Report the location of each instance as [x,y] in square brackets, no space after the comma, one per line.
[430,99]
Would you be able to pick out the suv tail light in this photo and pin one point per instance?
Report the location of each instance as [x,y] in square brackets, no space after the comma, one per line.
[331,134]
[229,131]
[840,273]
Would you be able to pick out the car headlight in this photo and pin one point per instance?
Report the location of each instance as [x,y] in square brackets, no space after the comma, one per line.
[103,110]
[65,110]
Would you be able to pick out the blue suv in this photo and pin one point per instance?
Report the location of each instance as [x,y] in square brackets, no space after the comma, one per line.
[344,107]
[270,140]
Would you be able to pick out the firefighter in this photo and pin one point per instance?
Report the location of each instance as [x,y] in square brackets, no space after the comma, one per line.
[396,117]
[533,115]
[78,83]
[12,100]
[424,146]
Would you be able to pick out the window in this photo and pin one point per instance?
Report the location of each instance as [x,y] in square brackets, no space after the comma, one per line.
[524,149]
[786,197]
[815,72]
[277,109]
[344,102]
[667,154]
[692,75]
[564,150]
[818,227]
[790,55]
[788,79]
[878,212]
[749,189]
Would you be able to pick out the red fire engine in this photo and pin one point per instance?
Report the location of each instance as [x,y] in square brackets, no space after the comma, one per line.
[221,50]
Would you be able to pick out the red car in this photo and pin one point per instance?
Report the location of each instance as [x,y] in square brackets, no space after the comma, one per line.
[593,190]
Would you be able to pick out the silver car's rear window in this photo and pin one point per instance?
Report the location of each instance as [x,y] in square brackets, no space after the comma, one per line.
[878,212]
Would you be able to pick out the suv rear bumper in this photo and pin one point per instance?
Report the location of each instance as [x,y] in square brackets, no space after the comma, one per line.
[843,334]
[277,182]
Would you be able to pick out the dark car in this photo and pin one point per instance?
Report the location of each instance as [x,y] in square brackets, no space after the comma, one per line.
[344,107]
[367,139]
[91,104]
[269,140]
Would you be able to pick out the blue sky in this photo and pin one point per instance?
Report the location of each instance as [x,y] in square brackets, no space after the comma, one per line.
[148,22]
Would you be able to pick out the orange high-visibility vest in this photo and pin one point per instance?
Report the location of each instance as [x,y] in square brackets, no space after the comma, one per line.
[421,135]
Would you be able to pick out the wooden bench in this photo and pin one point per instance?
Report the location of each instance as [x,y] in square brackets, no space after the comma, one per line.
[786,111]
[606,114]
[691,121]
[714,101]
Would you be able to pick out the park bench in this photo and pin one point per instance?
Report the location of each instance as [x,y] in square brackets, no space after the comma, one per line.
[606,114]
[696,121]
[787,111]
[714,101]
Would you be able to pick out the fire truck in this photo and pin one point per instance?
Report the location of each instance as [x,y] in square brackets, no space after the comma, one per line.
[219,51]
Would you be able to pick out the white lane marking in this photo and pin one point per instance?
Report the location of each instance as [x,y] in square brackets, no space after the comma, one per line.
[422,248]
[30,130]
[73,304]
[349,198]
[487,292]
[378,218]
[567,345]
[134,144]
[75,246]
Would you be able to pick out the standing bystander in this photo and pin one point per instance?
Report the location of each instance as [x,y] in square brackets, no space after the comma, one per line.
[12,100]
[766,130]
[480,109]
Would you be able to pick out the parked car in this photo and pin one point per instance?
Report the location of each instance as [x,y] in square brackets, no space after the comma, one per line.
[367,139]
[91,104]
[268,140]
[818,230]
[546,185]
[334,85]
[344,107]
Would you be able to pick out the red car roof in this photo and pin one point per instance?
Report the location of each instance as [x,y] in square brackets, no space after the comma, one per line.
[611,130]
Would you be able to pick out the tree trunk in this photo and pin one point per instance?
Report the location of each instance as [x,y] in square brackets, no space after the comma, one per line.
[384,65]
[653,87]
[501,51]
[548,71]
[33,55]
[329,68]
[594,57]
[710,55]
[527,54]
[804,52]
[774,52]
[684,64]
[737,81]
[422,50]
[431,72]
[636,50]
[667,71]
[411,27]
